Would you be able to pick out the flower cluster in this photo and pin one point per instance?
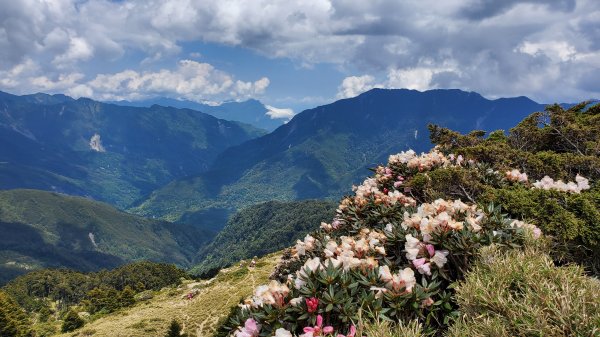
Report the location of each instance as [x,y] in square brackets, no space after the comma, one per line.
[442,215]
[533,228]
[516,176]
[425,161]
[274,294]
[548,183]
[250,329]
[403,280]
[382,252]
[346,253]
[307,245]
[370,190]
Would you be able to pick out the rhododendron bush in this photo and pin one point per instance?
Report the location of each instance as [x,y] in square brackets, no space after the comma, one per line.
[384,253]
[399,243]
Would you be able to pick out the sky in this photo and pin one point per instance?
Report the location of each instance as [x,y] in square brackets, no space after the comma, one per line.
[299,54]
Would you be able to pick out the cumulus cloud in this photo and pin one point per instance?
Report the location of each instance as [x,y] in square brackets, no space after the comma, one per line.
[354,85]
[189,80]
[540,48]
[419,78]
[279,113]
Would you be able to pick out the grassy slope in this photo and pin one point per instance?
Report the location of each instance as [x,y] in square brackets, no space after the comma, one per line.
[44,229]
[199,315]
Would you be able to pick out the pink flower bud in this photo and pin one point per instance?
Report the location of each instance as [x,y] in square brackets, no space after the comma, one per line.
[430,249]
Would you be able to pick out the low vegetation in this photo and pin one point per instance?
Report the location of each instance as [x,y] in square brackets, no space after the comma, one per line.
[198,316]
[262,229]
[522,293]
[14,322]
[52,295]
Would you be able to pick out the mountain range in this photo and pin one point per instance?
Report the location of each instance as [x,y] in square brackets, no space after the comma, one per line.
[251,111]
[323,150]
[110,153]
[188,167]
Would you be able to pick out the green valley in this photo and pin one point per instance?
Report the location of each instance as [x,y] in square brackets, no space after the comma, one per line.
[44,229]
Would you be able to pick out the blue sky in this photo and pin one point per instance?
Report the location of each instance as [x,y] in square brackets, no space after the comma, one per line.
[299,54]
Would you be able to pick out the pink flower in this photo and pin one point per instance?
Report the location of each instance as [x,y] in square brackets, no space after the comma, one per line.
[318,328]
[427,302]
[537,233]
[250,329]
[312,304]
[430,249]
[419,262]
[422,266]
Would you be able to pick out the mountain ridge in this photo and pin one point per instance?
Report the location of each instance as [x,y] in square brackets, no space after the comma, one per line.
[325,148]
[251,111]
[111,153]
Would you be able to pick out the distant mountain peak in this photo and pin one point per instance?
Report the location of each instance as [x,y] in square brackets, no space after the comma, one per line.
[251,111]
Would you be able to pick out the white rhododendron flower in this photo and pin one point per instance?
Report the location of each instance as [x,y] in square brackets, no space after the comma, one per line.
[517,176]
[281,332]
[412,247]
[548,183]
[307,245]
[403,279]
[533,228]
[439,258]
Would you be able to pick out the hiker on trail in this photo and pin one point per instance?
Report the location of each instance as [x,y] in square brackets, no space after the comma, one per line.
[253,262]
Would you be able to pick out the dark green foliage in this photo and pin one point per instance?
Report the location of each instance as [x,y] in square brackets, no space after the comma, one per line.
[13,320]
[71,322]
[175,330]
[262,229]
[43,229]
[560,143]
[101,291]
[126,297]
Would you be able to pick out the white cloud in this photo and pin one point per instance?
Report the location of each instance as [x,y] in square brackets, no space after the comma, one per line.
[418,78]
[189,80]
[500,47]
[279,113]
[355,85]
[79,50]
[560,51]
[412,78]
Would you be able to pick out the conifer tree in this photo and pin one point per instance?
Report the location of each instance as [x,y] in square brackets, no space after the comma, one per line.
[175,330]
[13,320]
[72,322]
